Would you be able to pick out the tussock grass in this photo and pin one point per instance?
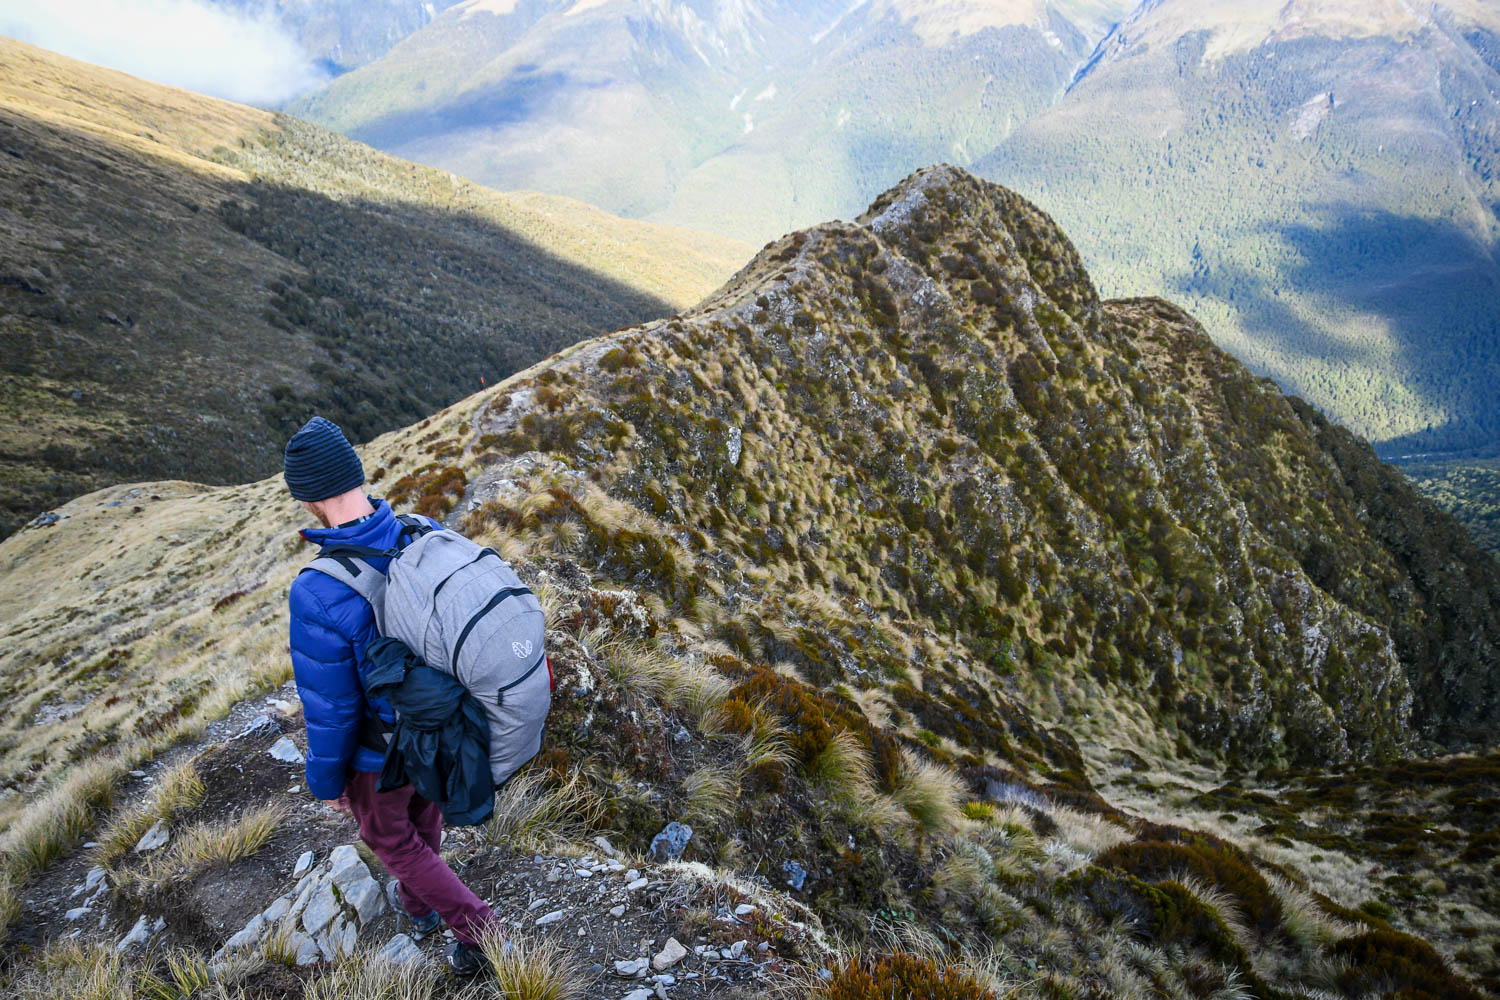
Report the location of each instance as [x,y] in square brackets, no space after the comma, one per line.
[527,968]
[1224,905]
[930,793]
[1305,921]
[1089,833]
[48,829]
[277,948]
[204,846]
[531,811]
[369,977]
[965,872]
[637,667]
[10,903]
[711,794]
[695,688]
[69,970]
[844,769]
[182,976]
[1062,856]
[179,790]
[768,743]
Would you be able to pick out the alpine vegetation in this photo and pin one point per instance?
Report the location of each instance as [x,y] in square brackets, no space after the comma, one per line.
[921,623]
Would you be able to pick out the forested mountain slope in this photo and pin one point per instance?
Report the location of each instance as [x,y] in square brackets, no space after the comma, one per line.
[182,280]
[751,118]
[1024,639]
[1317,183]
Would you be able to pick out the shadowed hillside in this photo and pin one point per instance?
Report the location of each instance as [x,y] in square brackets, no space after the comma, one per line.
[183,280]
[993,640]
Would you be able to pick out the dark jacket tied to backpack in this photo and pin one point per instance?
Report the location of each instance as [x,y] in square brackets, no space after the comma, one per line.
[441,740]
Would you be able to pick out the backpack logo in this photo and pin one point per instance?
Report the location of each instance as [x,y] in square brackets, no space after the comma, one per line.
[521,649]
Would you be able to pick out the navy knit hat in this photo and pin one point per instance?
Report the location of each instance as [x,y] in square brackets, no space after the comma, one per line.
[320,462]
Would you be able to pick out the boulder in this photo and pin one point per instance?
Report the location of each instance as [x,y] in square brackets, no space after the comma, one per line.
[139,934]
[346,866]
[671,842]
[305,948]
[632,968]
[286,751]
[671,953]
[322,907]
[248,936]
[92,881]
[154,838]
[400,950]
[366,898]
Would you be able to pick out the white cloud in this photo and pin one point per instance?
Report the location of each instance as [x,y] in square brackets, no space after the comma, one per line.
[185,43]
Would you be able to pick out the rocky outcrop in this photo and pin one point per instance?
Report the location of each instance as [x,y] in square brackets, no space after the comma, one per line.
[321,916]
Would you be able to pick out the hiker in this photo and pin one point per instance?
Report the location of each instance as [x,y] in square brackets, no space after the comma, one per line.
[331,628]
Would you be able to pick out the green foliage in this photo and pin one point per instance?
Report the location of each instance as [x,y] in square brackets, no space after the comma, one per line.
[1218,864]
[1469,489]
[1390,960]
[1234,201]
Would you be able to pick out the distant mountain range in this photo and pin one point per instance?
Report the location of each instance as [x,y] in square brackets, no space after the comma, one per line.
[1318,182]
[183,280]
[344,34]
[751,117]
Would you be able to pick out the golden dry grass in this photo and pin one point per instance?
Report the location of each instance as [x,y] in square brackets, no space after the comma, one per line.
[533,811]
[203,846]
[711,794]
[370,977]
[528,968]
[930,793]
[179,790]
[49,828]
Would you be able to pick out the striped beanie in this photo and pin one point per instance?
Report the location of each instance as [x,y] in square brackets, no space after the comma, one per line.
[320,462]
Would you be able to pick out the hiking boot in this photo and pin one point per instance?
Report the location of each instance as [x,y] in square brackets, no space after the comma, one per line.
[416,927]
[466,960]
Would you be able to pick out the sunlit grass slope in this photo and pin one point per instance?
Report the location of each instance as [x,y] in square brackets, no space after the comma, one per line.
[182,278]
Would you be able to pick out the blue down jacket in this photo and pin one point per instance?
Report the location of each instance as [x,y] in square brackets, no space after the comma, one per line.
[330,629]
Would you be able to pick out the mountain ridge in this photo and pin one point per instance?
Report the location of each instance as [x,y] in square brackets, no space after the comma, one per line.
[1007,602]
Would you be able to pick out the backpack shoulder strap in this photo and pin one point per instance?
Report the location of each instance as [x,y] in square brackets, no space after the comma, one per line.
[349,568]
[412,527]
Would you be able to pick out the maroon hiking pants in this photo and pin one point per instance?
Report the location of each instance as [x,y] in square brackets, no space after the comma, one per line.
[405,831]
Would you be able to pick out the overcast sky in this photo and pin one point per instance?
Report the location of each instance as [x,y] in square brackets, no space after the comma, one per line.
[185,43]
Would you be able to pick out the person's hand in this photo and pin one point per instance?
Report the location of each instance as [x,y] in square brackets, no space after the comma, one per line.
[341,805]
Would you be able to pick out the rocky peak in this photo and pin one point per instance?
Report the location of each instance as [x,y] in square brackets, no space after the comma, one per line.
[936,416]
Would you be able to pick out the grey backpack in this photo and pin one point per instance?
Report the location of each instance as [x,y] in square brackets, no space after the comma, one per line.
[463,610]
